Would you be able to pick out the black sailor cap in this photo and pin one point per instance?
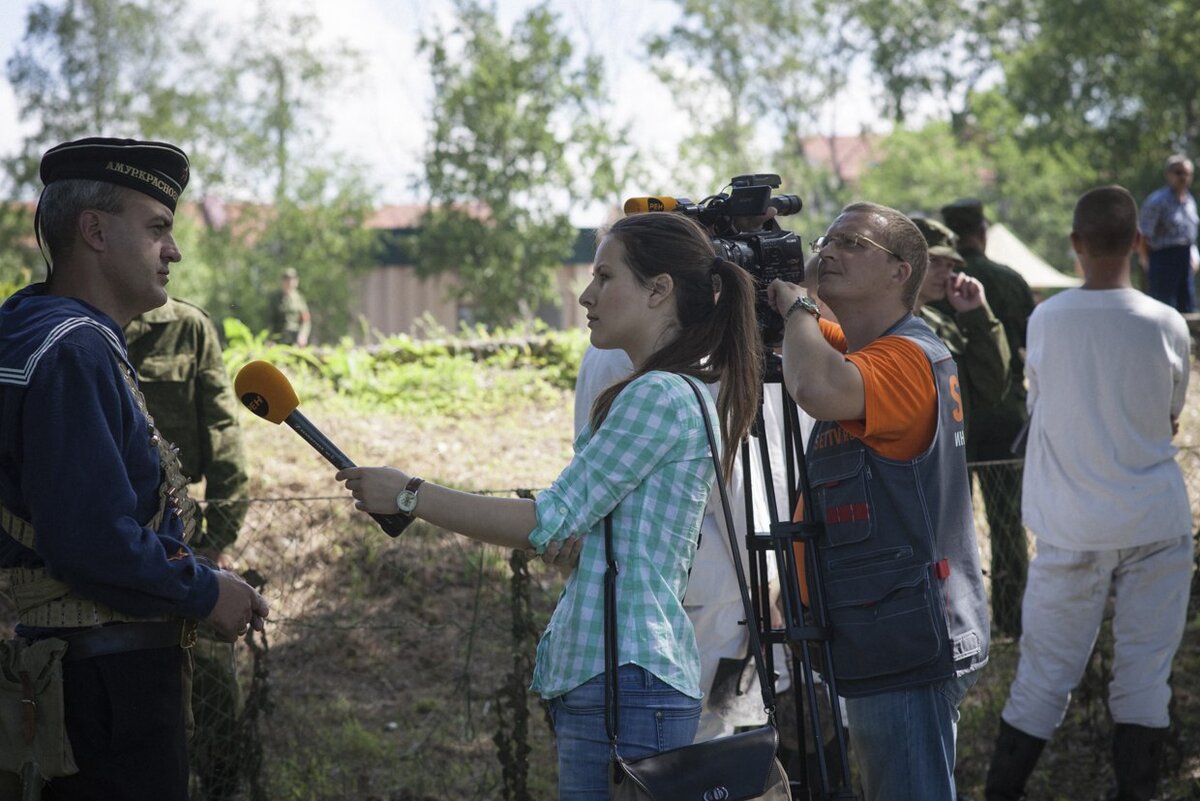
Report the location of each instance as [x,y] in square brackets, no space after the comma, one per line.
[156,169]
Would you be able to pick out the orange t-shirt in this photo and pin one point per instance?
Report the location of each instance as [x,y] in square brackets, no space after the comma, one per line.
[901,405]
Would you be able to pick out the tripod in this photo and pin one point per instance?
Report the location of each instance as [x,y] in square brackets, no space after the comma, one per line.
[804,624]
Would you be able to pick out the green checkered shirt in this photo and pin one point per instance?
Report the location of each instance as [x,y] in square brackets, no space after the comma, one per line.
[649,464]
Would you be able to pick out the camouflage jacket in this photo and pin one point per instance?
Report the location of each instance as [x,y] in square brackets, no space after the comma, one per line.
[289,314]
[1011,300]
[177,354]
[976,341]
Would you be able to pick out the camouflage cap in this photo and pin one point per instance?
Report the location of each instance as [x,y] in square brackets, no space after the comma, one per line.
[941,240]
[964,214]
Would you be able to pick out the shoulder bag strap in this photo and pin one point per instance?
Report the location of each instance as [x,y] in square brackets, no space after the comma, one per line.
[610,598]
[610,637]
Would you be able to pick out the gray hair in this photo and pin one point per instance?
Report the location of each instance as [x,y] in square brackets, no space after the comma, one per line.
[1178,158]
[61,204]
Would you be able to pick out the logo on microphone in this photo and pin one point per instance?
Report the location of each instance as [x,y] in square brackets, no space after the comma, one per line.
[256,403]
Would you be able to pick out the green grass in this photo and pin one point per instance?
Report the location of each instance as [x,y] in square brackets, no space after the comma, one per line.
[395,665]
[420,630]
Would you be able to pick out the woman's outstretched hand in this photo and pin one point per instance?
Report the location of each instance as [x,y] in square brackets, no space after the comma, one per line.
[374,488]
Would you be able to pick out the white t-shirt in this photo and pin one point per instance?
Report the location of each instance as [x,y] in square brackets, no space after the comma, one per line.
[1107,370]
[712,579]
[598,370]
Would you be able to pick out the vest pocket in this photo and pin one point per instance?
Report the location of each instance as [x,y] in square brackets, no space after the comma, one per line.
[882,617]
[842,497]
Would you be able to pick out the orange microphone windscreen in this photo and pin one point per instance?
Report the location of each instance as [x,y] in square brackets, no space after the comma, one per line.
[641,205]
[265,391]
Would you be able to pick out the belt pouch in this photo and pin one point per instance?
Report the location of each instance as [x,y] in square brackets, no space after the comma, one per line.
[33,732]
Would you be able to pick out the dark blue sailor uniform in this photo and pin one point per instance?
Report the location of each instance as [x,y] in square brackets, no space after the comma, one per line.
[81,485]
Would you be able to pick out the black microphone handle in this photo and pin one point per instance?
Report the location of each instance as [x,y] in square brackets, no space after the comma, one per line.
[392,525]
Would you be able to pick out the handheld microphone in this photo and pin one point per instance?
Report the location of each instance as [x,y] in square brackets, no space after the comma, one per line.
[639,205]
[267,392]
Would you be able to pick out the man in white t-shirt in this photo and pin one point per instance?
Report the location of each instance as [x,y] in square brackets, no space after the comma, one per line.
[1108,371]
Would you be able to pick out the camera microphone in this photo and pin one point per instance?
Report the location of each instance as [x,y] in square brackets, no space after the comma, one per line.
[267,392]
[639,205]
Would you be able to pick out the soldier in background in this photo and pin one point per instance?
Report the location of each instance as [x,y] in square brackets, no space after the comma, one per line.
[177,354]
[998,427]
[291,322]
[973,334]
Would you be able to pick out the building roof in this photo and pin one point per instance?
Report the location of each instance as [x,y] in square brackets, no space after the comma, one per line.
[846,156]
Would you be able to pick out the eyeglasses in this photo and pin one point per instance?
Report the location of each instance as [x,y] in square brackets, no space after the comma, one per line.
[848,243]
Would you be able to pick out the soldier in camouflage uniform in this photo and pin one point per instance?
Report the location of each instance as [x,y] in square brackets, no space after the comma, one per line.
[177,354]
[973,335]
[290,319]
[996,428]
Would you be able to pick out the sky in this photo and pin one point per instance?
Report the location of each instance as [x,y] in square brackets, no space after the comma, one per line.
[382,118]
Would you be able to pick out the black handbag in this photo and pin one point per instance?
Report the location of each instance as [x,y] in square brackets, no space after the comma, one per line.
[741,767]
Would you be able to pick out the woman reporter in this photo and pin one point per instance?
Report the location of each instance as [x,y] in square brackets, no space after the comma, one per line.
[659,293]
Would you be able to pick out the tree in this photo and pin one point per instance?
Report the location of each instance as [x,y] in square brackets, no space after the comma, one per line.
[510,122]
[754,76]
[923,169]
[1031,188]
[926,52]
[88,65]
[282,76]
[318,230]
[249,109]
[1119,78]
[20,261]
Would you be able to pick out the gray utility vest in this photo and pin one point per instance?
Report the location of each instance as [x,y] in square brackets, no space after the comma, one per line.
[898,557]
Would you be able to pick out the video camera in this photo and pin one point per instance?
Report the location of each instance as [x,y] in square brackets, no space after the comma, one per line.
[766,253]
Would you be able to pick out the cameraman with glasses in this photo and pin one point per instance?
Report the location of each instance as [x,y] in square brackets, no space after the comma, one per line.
[886,461]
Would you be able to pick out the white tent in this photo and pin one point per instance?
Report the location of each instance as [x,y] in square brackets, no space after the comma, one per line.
[1004,247]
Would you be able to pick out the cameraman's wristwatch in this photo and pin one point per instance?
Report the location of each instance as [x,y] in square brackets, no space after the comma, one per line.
[407,499]
[803,302]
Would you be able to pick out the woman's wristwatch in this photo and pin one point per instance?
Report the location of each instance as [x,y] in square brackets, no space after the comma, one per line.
[802,302]
[406,501]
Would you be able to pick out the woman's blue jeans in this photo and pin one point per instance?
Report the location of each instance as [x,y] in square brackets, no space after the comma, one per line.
[652,717]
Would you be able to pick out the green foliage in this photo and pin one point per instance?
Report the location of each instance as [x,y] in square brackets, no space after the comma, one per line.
[1030,187]
[1118,79]
[1034,183]
[20,261]
[752,106]
[283,75]
[923,169]
[1059,95]
[462,376]
[100,66]
[922,50]
[245,106]
[321,762]
[717,96]
[507,117]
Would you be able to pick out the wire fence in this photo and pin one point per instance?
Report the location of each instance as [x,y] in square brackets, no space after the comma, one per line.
[397,669]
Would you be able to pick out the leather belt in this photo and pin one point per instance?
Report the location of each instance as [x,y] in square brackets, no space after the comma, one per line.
[120,638]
